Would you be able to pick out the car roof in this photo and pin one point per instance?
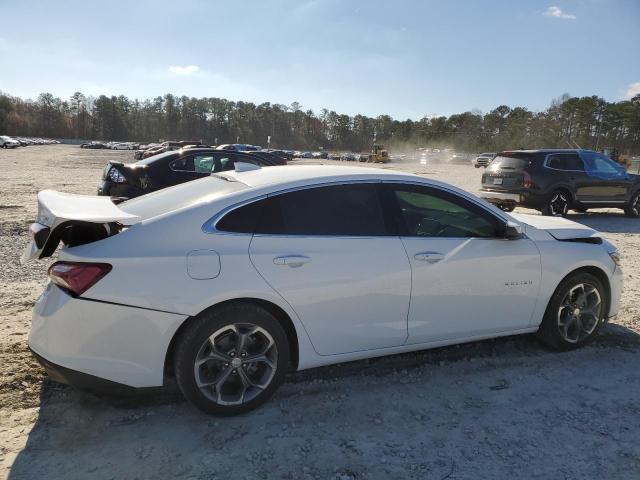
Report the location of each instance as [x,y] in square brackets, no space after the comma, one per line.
[549,150]
[312,174]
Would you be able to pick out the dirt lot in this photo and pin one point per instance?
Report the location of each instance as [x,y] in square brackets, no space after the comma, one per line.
[497,409]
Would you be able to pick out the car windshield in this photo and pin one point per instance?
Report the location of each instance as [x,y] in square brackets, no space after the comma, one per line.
[503,162]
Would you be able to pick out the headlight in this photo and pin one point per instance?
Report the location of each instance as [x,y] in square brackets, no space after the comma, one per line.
[615,256]
[116,176]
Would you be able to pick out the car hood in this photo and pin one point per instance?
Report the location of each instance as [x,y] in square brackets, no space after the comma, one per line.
[558,227]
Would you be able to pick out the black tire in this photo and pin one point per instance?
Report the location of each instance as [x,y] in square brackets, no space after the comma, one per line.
[550,331]
[558,204]
[633,208]
[193,339]
[507,208]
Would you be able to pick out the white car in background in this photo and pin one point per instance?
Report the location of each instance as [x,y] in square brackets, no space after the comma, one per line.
[8,142]
[228,282]
[122,146]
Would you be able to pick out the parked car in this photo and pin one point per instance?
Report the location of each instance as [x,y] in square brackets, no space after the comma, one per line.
[239,147]
[123,146]
[459,158]
[169,146]
[555,181]
[93,145]
[8,142]
[482,159]
[284,154]
[348,157]
[228,282]
[128,180]
[334,156]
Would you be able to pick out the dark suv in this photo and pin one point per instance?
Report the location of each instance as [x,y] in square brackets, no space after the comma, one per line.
[554,181]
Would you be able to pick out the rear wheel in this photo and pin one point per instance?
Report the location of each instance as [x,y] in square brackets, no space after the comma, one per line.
[575,312]
[231,359]
[558,204]
[506,208]
[633,208]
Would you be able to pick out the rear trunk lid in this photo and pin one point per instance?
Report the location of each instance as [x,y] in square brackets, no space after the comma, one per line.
[74,220]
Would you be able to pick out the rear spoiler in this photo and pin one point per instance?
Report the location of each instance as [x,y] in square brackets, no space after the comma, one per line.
[63,216]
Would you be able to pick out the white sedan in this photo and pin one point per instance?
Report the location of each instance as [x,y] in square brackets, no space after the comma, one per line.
[230,281]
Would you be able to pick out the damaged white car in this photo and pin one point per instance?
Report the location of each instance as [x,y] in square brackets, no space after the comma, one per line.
[230,281]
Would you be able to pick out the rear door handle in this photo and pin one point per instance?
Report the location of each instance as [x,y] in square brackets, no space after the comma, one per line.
[431,257]
[292,260]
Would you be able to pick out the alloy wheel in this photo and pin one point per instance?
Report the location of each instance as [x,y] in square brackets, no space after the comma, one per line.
[579,312]
[236,363]
[559,204]
[635,205]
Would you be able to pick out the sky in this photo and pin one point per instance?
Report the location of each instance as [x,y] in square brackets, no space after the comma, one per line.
[404,58]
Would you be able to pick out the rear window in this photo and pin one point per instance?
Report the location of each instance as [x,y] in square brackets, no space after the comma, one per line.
[505,162]
[339,210]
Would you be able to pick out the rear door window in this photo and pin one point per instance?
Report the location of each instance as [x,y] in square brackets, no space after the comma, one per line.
[565,161]
[337,210]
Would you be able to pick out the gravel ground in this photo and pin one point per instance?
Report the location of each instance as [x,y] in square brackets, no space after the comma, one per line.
[497,409]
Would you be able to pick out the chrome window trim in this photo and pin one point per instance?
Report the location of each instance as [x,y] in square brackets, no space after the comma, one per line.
[209,226]
[545,164]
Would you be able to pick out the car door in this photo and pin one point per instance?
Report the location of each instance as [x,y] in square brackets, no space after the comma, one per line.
[181,170]
[326,250]
[467,280]
[609,182]
[568,169]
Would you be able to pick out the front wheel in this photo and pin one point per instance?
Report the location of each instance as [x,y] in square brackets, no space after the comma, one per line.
[633,208]
[558,204]
[231,359]
[575,312]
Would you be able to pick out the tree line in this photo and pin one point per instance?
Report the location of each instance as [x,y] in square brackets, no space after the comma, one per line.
[587,122]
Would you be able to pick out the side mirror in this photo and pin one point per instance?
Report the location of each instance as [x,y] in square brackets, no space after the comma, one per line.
[513,230]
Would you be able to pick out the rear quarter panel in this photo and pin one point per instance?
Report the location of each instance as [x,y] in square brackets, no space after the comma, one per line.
[150,268]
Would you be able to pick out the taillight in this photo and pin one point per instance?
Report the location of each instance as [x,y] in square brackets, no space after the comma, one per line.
[528,181]
[76,278]
[116,176]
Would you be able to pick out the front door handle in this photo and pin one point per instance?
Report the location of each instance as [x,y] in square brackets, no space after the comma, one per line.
[431,257]
[293,261]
